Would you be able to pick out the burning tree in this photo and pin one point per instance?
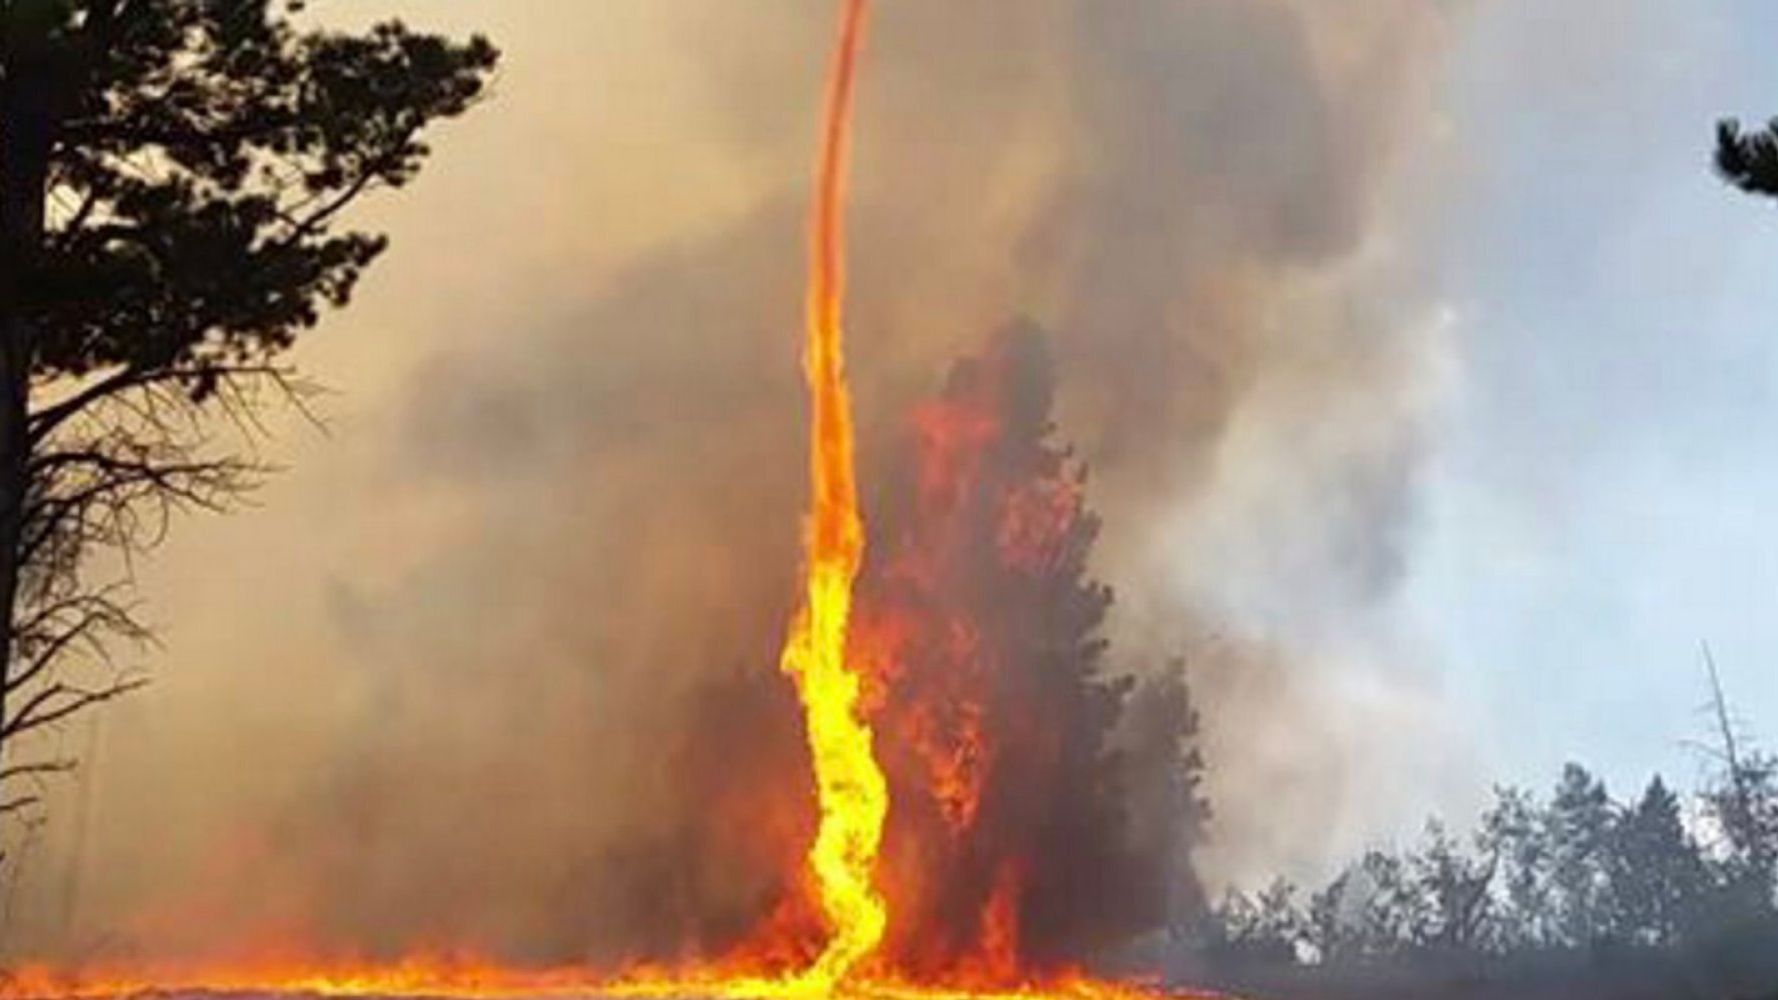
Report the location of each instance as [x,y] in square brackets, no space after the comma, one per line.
[1044,806]
[173,174]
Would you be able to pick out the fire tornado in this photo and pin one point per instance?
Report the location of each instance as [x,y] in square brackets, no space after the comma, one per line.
[852,793]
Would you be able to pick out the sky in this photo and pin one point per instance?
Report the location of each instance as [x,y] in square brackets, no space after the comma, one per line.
[1600,498]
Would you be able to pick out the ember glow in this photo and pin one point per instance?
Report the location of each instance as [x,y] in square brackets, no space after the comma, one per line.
[829,939]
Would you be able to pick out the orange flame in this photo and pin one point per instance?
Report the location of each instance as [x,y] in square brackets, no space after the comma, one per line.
[470,977]
[851,791]
[997,955]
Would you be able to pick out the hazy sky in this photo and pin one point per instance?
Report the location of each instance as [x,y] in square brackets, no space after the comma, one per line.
[1595,455]
[1601,495]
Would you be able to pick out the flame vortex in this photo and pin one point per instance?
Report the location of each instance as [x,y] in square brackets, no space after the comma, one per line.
[852,792]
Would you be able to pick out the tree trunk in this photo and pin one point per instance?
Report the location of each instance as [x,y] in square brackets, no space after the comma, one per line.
[27,125]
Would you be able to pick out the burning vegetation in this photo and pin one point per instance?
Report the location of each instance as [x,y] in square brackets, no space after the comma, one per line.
[955,674]
[1011,845]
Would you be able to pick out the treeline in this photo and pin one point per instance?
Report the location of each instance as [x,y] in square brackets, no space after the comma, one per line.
[1575,883]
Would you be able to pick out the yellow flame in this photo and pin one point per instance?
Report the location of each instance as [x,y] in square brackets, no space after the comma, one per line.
[852,794]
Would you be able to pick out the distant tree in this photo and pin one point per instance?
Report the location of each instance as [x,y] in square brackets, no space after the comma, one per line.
[1748,160]
[173,179]
[1455,888]
[1376,909]
[1734,936]
[1514,832]
[1742,799]
[1656,872]
[1578,895]
[1328,925]
[1162,771]
[1391,910]
[1263,928]
[1578,823]
[1432,899]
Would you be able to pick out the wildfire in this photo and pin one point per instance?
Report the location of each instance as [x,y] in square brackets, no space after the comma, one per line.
[465,978]
[852,793]
[851,786]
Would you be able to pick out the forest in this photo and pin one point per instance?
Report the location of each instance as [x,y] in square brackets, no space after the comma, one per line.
[1576,892]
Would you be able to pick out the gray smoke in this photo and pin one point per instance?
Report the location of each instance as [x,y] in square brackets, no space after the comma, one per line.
[505,644]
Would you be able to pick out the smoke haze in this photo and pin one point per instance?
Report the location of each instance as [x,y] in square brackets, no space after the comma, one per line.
[486,667]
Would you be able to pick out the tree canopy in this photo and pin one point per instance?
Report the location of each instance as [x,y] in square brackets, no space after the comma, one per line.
[1748,159]
[175,181]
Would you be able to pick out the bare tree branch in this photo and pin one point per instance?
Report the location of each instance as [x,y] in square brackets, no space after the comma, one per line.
[39,769]
[45,419]
[44,709]
[10,806]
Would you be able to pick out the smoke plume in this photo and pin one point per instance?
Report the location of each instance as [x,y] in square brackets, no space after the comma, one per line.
[493,665]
